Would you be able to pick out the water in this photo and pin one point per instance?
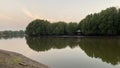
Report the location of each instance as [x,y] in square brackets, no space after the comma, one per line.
[85,52]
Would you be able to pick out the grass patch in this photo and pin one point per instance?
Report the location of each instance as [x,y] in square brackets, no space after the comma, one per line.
[15,60]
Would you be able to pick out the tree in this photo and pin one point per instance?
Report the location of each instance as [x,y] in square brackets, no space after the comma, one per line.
[104,23]
[118,22]
[37,28]
[59,28]
[72,28]
[108,19]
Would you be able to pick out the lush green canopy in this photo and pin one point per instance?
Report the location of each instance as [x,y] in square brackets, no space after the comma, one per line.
[37,27]
[107,22]
[11,33]
[43,28]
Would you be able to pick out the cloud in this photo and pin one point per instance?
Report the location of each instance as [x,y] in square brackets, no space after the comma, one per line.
[32,15]
[29,14]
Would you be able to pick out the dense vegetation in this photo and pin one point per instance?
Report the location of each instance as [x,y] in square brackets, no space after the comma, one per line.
[44,27]
[107,22]
[9,33]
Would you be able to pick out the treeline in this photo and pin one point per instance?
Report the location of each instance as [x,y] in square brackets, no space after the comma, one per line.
[12,33]
[44,27]
[107,22]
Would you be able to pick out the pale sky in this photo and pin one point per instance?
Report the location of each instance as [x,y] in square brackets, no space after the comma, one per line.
[16,14]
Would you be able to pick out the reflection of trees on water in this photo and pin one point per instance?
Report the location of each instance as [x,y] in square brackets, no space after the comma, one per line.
[47,43]
[107,49]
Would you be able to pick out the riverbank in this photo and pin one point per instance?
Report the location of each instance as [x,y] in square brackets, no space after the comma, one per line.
[74,36]
[14,60]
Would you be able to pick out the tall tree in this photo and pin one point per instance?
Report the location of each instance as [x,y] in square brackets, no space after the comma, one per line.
[72,28]
[104,23]
[59,28]
[37,28]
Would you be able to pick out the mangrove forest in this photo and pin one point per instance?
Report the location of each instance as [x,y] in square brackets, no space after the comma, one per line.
[106,22]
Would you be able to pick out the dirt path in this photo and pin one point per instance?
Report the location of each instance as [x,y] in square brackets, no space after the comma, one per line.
[14,60]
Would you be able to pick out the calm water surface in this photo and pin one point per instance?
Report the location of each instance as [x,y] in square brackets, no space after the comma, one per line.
[90,52]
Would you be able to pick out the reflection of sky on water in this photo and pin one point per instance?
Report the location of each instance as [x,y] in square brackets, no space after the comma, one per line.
[16,45]
[56,58]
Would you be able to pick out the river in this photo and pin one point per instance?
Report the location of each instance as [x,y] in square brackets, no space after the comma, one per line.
[83,52]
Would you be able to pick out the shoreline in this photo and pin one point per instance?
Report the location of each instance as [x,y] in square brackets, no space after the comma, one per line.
[74,36]
[10,59]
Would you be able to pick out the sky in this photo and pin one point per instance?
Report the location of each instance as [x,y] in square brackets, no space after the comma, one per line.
[17,14]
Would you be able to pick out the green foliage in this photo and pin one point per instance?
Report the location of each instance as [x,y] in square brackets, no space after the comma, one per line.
[15,60]
[72,28]
[9,33]
[106,22]
[37,28]
[43,28]
[59,28]
[118,24]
